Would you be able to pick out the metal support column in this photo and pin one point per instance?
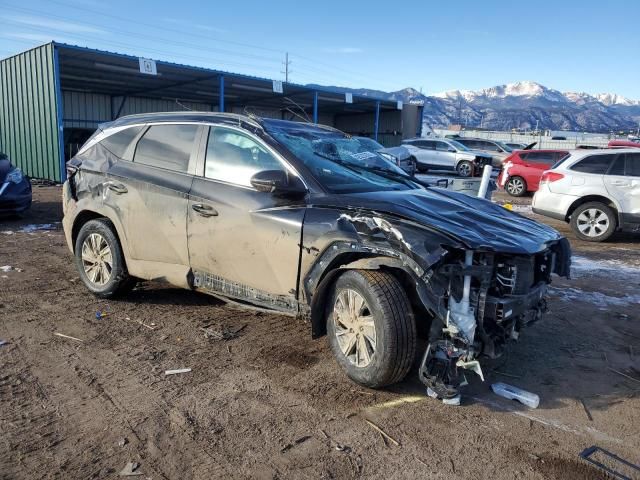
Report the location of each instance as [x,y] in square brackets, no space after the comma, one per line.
[60,115]
[377,121]
[221,100]
[315,107]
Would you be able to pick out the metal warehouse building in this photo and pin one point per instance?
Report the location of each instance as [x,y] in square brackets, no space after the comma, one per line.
[54,96]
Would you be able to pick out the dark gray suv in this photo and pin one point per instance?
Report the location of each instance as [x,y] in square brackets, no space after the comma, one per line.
[300,219]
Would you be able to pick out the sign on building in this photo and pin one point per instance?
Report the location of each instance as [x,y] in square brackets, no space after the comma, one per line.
[277,86]
[348,97]
[148,66]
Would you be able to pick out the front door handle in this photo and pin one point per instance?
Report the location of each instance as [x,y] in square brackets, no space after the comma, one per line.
[204,210]
[117,188]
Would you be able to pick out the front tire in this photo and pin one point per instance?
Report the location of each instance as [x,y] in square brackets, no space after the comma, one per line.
[593,222]
[516,186]
[464,169]
[100,261]
[371,328]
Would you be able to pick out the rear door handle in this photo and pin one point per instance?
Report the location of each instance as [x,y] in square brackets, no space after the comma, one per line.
[620,183]
[204,210]
[117,188]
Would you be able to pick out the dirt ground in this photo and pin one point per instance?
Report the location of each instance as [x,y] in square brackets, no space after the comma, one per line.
[271,403]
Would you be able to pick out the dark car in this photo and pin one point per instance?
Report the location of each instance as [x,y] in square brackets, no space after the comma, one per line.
[399,156]
[285,217]
[15,189]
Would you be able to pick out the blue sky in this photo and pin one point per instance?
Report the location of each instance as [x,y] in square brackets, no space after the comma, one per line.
[570,46]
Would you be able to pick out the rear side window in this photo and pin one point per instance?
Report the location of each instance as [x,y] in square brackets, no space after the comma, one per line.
[120,141]
[425,144]
[633,164]
[442,146]
[167,146]
[618,166]
[598,164]
[538,157]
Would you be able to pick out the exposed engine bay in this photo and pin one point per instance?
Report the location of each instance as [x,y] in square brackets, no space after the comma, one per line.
[481,301]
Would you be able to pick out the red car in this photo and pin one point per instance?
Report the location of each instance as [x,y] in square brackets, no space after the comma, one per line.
[521,171]
[623,144]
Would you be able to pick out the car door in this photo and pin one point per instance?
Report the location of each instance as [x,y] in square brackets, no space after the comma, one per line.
[622,182]
[422,150]
[445,158]
[532,166]
[243,243]
[150,195]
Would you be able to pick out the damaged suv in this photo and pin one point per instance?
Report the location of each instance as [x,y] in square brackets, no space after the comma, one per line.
[303,220]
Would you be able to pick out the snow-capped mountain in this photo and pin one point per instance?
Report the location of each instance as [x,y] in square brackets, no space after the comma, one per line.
[522,105]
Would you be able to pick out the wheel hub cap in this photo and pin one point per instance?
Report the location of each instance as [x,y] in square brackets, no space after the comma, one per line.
[97,260]
[593,222]
[354,328]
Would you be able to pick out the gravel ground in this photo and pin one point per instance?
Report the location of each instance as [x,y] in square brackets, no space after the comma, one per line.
[270,403]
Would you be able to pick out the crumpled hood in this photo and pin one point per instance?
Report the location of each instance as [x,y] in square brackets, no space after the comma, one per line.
[475,222]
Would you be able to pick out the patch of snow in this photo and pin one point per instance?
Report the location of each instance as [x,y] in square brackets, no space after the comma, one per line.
[598,299]
[614,99]
[583,266]
[38,227]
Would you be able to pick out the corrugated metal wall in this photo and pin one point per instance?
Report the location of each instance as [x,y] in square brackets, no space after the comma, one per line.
[147,105]
[29,131]
[85,110]
[389,128]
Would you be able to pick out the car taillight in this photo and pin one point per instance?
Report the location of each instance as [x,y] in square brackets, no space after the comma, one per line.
[549,177]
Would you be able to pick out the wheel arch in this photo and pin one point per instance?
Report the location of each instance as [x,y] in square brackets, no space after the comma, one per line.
[395,266]
[594,198]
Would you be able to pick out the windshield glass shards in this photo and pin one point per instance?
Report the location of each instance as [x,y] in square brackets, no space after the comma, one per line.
[339,162]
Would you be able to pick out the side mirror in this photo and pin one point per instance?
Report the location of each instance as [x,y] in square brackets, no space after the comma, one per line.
[277,182]
[451,150]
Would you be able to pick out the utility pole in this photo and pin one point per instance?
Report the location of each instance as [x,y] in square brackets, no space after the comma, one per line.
[286,64]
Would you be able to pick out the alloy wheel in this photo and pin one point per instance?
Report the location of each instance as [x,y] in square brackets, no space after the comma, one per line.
[464,169]
[97,259]
[354,328]
[593,222]
[515,186]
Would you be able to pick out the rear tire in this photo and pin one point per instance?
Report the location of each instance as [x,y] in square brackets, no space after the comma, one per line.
[371,328]
[100,261]
[516,186]
[593,222]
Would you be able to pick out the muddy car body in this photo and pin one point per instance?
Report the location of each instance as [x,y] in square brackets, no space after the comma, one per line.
[368,257]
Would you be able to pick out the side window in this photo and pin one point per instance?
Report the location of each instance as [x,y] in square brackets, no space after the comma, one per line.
[539,157]
[120,141]
[598,164]
[618,166]
[468,143]
[234,157]
[557,156]
[492,147]
[633,164]
[442,146]
[167,146]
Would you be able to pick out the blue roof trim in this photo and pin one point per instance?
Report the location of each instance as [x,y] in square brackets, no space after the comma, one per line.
[220,72]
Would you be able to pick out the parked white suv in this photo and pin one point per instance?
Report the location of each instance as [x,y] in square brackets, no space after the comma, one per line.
[596,191]
[445,154]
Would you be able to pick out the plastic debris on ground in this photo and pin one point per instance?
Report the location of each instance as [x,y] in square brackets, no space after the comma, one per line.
[177,371]
[130,470]
[3,342]
[510,392]
[455,401]
[9,268]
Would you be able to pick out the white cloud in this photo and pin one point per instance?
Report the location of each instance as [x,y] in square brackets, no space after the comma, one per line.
[344,50]
[53,24]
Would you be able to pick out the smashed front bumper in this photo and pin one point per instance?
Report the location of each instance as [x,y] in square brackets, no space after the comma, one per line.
[485,301]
